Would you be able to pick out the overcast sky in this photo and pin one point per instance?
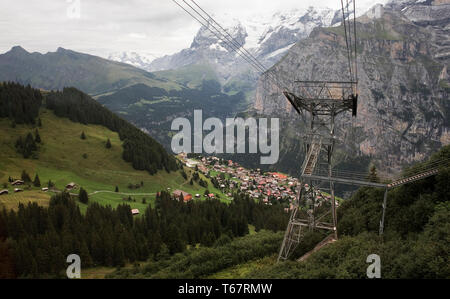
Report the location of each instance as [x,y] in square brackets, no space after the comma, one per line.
[158,27]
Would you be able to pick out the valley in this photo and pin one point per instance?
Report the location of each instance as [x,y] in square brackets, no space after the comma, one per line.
[87,165]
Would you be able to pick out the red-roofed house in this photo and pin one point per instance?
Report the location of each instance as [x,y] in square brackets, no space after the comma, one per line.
[186,196]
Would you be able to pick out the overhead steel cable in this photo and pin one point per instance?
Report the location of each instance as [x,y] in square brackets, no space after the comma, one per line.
[232,45]
[226,32]
[346,39]
[354,32]
[222,37]
[240,50]
[216,34]
[350,45]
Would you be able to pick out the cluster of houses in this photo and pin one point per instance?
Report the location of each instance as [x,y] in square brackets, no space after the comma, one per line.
[265,186]
[70,186]
[16,190]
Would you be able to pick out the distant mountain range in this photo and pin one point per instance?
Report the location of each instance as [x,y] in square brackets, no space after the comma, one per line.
[267,37]
[55,70]
[404,77]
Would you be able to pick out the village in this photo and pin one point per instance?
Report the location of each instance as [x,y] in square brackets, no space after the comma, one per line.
[230,177]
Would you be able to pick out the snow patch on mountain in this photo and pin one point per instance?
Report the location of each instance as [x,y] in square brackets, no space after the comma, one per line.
[140,60]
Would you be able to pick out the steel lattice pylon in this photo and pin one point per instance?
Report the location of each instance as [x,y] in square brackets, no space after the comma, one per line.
[323,101]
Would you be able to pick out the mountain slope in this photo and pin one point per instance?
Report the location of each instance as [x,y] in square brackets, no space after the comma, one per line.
[154,109]
[403,110]
[62,156]
[64,68]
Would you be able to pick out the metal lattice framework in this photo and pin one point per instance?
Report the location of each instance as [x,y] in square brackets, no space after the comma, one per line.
[312,210]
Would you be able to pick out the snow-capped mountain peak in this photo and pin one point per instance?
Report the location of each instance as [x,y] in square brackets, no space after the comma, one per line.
[140,60]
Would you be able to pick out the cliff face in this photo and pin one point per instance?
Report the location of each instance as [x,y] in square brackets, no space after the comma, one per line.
[403,57]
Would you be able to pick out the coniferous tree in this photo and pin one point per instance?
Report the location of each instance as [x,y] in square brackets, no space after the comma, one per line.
[50,184]
[37,137]
[83,196]
[39,123]
[36,182]
[83,136]
[25,177]
[117,189]
[108,143]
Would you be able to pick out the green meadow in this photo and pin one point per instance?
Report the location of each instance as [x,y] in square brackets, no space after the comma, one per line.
[63,157]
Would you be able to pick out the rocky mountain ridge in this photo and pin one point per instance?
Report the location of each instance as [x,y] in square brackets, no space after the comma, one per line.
[403,58]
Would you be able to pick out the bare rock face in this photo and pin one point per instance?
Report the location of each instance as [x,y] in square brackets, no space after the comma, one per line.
[403,109]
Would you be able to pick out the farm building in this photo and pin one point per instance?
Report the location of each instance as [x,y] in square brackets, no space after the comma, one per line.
[17,190]
[178,193]
[17,183]
[71,186]
[45,189]
[2,192]
[134,212]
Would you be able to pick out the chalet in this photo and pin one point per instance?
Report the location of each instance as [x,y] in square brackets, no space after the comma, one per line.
[197,195]
[45,189]
[71,186]
[17,190]
[17,183]
[180,193]
[211,195]
[2,192]
[134,212]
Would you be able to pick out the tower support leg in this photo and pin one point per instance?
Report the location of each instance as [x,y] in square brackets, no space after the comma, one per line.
[384,211]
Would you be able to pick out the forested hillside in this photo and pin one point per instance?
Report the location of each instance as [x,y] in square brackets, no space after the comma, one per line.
[34,241]
[21,104]
[414,245]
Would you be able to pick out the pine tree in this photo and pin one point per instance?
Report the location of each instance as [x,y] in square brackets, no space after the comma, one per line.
[83,196]
[50,184]
[117,189]
[85,256]
[37,137]
[83,136]
[108,143]
[25,177]
[36,182]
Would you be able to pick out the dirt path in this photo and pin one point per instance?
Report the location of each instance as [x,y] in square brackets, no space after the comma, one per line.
[106,191]
[120,193]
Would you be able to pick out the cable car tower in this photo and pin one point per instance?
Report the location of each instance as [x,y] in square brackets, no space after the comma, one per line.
[322,101]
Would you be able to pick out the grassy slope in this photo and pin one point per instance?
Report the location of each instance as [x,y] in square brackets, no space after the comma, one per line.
[190,76]
[60,160]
